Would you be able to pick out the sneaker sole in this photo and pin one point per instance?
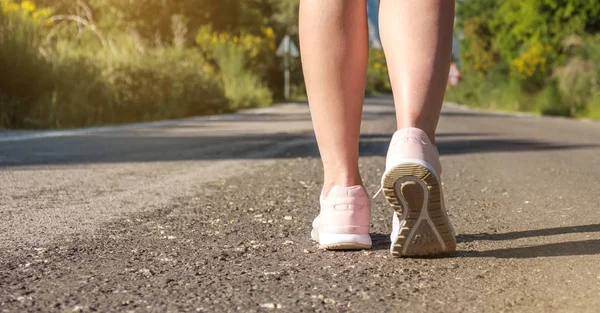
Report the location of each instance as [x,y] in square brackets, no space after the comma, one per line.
[414,192]
[344,242]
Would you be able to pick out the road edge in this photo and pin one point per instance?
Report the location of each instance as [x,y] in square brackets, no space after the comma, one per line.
[9,135]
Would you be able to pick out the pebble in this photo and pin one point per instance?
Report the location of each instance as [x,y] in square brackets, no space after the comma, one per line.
[271,306]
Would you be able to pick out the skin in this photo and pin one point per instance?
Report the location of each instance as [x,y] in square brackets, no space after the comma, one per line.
[417,40]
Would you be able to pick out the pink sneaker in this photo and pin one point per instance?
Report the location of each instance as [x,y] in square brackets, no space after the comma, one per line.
[411,184]
[344,220]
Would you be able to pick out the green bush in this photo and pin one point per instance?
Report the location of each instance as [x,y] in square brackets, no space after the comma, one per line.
[232,56]
[76,83]
[162,84]
[171,83]
[123,63]
[593,109]
[523,23]
[489,93]
[530,55]
[24,72]
[80,96]
[378,80]
[549,101]
[242,87]
[577,81]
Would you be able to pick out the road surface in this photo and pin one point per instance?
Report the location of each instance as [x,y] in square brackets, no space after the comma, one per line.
[213,215]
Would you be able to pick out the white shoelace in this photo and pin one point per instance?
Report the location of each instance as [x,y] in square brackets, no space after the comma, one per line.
[378,191]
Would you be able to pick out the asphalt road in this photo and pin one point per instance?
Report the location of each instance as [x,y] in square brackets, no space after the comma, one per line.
[213,215]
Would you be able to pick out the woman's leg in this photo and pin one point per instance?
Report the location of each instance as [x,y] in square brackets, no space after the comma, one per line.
[333,40]
[334,45]
[417,39]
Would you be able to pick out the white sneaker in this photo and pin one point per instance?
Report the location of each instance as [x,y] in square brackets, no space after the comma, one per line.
[344,220]
[411,184]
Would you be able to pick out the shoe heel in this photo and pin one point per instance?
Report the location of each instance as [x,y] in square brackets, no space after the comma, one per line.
[344,241]
[415,194]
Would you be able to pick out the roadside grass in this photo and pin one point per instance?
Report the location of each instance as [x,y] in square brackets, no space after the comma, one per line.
[56,74]
[510,96]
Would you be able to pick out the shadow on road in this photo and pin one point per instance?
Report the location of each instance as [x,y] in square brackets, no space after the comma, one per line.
[530,233]
[142,147]
[468,146]
[583,247]
[380,241]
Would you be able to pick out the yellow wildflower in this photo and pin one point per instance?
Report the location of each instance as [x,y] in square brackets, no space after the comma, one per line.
[532,61]
[45,12]
[27,6]
[9,6]
[269,33]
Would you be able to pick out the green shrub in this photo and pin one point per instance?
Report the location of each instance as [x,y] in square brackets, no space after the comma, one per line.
[593,109]
[80,96]
[243,88]
[530,55]
[378,80]
[83,82]
[549,101]
[577,81]
[232,55]
[524,23]
[171,83]
[74,74]
[495,91]
[24,72]
[477,54]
